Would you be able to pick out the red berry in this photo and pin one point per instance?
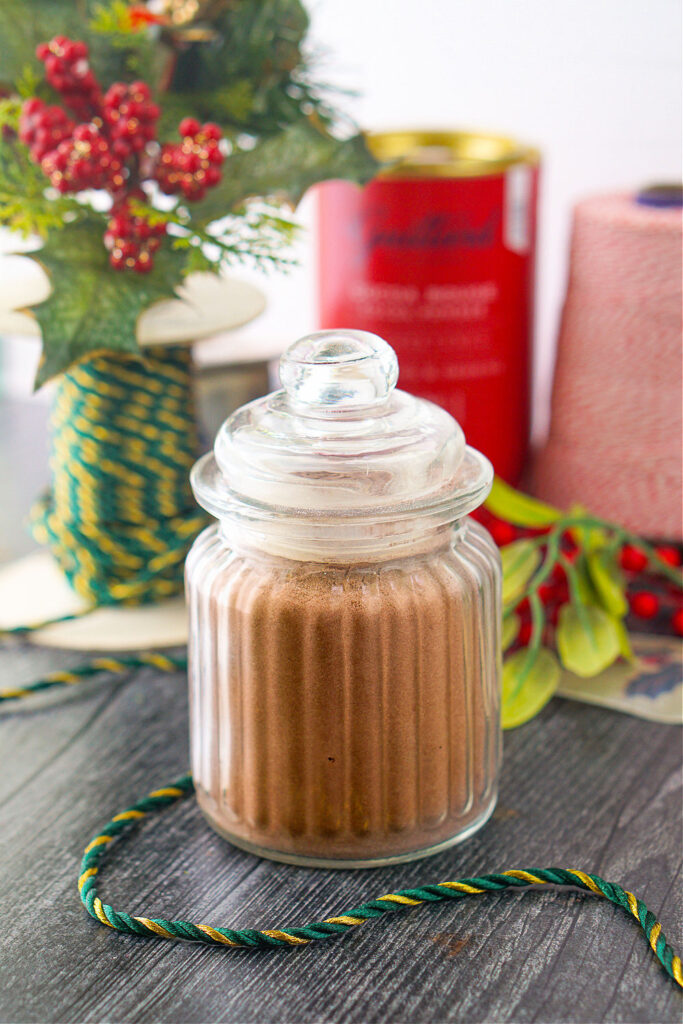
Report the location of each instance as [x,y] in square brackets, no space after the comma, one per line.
[524,634]
[632,559]
[669,555]
[189,126]
[33,106]
[129,249]
[190,167]
[67,70]
[569,548]
[116,93]
[558,574]
[131,240]
[143,264]
[503,533]
[43,128]
[130,116]
[644,604]
[482,515]
[545,592]
[677,622]
[553,613]
[84,161]
[210,131]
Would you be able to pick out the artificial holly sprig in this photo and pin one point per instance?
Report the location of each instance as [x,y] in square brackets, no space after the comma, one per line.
[581,553]
[112,146]
[89,153]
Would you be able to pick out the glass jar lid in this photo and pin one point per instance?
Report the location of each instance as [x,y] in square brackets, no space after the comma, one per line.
[340,440]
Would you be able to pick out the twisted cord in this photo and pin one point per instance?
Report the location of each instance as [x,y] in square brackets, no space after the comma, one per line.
[120,516]
[23,630]
[110,664]
[332,927]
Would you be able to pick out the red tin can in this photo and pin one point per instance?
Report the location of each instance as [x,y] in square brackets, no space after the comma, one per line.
[436,255]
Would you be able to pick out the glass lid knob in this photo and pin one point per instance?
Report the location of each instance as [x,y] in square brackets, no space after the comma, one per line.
[339,371]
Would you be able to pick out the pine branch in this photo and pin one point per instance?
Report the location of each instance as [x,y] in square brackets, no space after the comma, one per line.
[27,205]
[256,234]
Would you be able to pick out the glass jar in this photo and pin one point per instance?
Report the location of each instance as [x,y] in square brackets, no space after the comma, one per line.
[344,648]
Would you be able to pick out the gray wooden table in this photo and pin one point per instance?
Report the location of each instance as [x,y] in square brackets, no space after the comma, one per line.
[581,787]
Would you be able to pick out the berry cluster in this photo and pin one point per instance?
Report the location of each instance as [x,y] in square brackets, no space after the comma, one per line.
[191,166]
[648,604]
[130,116]
[42,128]
[84,161]
[68,72]
[643,604]
[132,240]
[108,147]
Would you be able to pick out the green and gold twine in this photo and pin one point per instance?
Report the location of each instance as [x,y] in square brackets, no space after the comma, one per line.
[334,927]
[120,516]
[524,879]
[119,520]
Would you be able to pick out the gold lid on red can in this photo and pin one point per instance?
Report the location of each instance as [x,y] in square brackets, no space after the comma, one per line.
[447,154]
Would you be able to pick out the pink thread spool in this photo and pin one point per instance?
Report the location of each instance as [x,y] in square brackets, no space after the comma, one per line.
[615,441]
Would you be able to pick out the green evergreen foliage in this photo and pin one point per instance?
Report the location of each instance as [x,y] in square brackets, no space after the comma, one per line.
[239,63]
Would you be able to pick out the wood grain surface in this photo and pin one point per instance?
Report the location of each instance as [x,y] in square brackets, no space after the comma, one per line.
[581,787]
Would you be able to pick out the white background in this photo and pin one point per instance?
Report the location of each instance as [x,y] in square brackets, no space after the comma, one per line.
[596,84]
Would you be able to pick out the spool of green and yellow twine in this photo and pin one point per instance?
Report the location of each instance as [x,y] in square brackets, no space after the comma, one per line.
[120,516]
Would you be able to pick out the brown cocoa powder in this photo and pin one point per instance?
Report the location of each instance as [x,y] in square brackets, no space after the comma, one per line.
[345,713]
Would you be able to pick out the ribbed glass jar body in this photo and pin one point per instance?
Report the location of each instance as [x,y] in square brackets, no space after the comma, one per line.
[345,714]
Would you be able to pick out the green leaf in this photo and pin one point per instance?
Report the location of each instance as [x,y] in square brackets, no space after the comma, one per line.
[538,684]
[93,307]
[28,83]
[250,48]
[520,509]
[587,639]
[283,167]
[24,206]
[10,110]
[607,581]
[511,624]
[520,560]
[580,583]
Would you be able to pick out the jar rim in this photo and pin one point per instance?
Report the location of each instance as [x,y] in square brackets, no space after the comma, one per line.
[475,479]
